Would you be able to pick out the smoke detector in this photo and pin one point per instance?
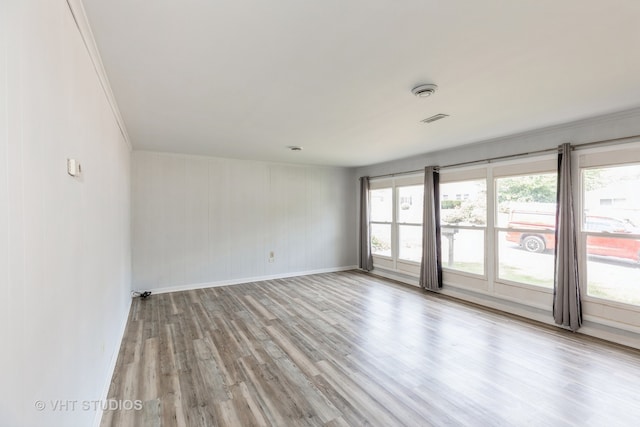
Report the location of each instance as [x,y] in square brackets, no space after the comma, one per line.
[423,91]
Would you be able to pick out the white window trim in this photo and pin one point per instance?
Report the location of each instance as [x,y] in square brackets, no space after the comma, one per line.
[488,284]
[394,263]
[600,157]
[467,174]
[540,167]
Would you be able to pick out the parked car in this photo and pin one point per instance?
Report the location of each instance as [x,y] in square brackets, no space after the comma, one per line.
[541,234]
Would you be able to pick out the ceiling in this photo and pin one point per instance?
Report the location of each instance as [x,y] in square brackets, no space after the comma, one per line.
[247,78]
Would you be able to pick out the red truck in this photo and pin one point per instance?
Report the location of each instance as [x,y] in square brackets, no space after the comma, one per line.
[540,234]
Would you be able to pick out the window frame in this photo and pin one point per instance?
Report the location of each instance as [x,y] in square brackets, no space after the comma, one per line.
[371,222]
[394,263]
[456,281]
[460,175]
[540,167]
[399,223]
[599,158]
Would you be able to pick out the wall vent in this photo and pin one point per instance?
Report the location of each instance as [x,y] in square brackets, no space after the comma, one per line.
[434,118]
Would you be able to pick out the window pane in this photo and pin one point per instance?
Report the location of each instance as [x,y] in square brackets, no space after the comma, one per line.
[381,239]
[527,201]
[463,203]
[381,205]
[410,204]
[463,250]
[410,242]
[611,199]
[611,203]
[612,268]
[526,257]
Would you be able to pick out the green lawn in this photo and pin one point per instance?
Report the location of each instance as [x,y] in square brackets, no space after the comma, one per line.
[516,275]
[468,267]
[629,294]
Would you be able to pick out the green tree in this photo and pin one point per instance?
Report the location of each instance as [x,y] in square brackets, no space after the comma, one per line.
[471,211]
[379,245]
[594,179]
[527,189]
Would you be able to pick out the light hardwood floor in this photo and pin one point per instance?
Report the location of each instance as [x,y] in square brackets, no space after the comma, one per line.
[352,349]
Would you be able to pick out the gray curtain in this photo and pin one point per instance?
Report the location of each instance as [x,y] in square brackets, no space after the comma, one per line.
[431,265]
[567,308]
[366,261]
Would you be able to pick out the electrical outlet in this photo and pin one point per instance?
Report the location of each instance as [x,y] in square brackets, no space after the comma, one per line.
[272,256]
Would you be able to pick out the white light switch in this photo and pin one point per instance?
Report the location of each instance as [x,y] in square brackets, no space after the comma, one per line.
[73,167]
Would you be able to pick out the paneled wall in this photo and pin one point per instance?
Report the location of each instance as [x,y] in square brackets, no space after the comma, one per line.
[64,241]
[205,221]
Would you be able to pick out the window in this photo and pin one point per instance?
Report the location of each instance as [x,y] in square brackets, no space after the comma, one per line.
[610,233]
[410,205]
[525,225]
[497,223]
[396,223]
[381,220]
[463,225]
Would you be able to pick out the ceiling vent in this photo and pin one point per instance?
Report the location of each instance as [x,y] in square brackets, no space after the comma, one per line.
[434,118]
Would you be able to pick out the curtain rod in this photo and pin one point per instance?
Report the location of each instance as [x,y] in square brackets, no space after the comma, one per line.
[513,156]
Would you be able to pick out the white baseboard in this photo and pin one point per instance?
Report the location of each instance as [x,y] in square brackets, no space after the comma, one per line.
[626,335]
[507,306]
[112,364]
[240,281]
[406,279]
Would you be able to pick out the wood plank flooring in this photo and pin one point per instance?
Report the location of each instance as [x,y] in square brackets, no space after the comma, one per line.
[350,349]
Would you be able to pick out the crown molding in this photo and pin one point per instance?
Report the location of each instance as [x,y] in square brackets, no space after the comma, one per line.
[76,8]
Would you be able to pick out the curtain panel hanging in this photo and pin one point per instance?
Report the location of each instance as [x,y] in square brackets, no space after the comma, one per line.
[431,265]
[567,307]
[366,260]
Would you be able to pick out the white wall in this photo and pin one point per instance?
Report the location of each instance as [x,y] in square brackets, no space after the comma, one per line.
[64,242]
[201,221]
